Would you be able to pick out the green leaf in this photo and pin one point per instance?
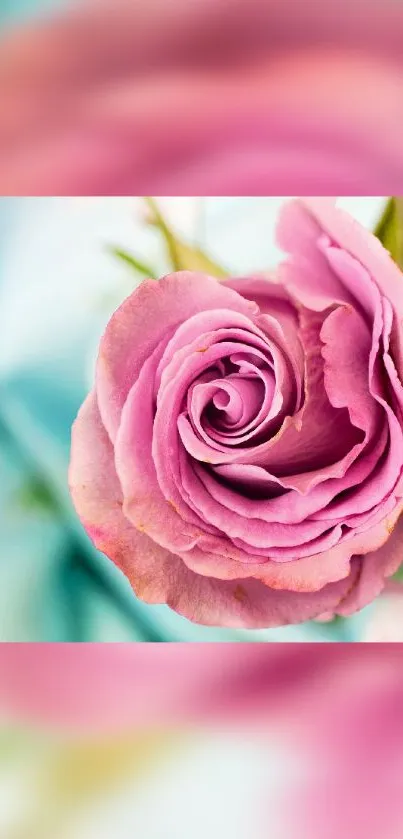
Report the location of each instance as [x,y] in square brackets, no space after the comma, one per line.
[35,494]
[183,257]
[389,229]
[398,576]
[133,262]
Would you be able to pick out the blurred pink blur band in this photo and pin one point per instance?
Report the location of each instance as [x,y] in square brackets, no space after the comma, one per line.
[206,97]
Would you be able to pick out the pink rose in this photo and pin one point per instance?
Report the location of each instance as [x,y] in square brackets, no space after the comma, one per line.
[212,97]
[240,457]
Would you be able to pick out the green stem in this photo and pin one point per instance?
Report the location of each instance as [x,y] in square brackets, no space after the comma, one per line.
[133,262]
[158,220]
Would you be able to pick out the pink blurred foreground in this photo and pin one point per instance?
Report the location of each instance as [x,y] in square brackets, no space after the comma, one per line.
[205,97]
[338,708]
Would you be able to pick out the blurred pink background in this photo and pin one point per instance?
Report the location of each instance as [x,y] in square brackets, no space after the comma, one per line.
[171,741]
[208,97]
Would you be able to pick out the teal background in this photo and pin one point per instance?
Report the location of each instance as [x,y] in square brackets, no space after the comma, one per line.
[15,11]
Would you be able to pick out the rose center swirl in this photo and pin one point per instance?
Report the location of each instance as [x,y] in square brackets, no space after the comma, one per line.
[228,403]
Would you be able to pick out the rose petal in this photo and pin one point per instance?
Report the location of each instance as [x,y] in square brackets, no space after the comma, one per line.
[156,575]
[375,568]
[142,321]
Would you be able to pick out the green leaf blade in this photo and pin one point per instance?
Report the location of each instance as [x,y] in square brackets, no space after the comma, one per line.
[389,229]
[133,262]
[183,257]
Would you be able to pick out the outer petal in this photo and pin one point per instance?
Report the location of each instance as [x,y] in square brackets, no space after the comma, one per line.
[301,226]
[96,492]
[375,568]
[351,236]
[158,576]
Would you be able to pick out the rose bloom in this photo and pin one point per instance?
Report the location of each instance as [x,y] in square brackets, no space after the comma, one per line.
[212,97]
[240,456]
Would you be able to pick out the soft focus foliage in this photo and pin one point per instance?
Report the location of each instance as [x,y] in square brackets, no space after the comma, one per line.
[389,230]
